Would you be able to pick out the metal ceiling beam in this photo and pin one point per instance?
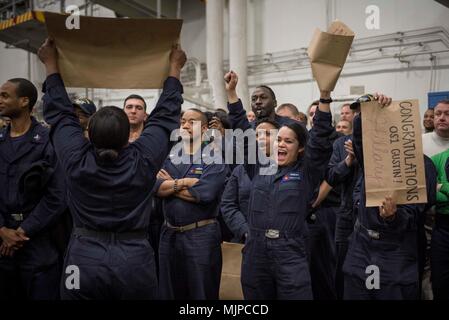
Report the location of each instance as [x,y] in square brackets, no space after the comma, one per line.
[140,8]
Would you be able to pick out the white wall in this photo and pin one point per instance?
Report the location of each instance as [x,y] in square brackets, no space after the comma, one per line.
[276,25]
[288,24]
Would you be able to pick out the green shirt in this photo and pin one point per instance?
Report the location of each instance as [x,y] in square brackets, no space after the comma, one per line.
[439,160]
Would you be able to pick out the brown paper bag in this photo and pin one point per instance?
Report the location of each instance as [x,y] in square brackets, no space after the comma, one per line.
[114,53]
[327,53]
[230,286]
[392,153]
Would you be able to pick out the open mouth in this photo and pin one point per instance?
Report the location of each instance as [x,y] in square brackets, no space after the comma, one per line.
[282,155]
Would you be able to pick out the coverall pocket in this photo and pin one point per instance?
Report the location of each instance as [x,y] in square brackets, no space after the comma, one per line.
[260,201]
[289,199]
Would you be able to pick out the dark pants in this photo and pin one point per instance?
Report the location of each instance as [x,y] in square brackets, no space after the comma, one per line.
[322,253]
[32,273]
[342,249]
[440,259]
[190,263]
[396,261]
[116,269]
[343,230]
[275,269]
[355,289]
[154,238]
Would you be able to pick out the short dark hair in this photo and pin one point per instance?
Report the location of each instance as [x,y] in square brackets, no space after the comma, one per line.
[25,89]
[223,117]
[221,110]
[204,116]
[108,132]
[444,101]
[135,96]
[273,96]
[293,109]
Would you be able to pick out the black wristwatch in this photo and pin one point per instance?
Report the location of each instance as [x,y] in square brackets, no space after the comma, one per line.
[322,100]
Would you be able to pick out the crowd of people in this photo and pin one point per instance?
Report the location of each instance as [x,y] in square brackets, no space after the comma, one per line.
[102,192]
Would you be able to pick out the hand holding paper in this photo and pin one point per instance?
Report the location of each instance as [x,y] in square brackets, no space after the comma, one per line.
[118,54]
[328,52]
[177,61]
[49,56]
[388,208]
[392,152]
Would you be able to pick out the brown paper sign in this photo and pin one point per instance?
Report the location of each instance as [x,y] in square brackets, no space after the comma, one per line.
[328,52]
[114,53]
[392,153]
[230,286]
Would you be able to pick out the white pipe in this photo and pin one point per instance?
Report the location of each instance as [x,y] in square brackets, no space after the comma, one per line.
[178,10]
[238,53]
[214,48]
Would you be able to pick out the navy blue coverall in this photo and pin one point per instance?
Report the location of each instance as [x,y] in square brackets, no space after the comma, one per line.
[110,203]
[190,261]
[339,174]
[322,252]
[32,196]
[275,263]
[234,203]
[392,246]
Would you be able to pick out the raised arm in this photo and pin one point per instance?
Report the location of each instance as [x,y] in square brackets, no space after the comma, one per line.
[342,162]
[319,145]
[238,119]
[154,142]
[66,132]
[237,114]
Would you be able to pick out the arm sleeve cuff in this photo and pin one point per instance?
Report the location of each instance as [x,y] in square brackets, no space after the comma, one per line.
[172,83]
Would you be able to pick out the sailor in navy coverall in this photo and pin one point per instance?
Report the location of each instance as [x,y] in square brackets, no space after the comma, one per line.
[31,199]
[235,199]
[275,262]
[189,251]
[343,170]
[110,199]
[234,203]
[386,239]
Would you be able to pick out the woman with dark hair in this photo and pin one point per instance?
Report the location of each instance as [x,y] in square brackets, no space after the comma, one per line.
[109,119]
[275,264]
[109,187]
[235,198]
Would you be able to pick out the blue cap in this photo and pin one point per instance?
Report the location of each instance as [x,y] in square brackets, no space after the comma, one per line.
[86,105]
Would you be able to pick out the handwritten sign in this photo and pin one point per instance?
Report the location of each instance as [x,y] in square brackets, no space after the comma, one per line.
[392,152]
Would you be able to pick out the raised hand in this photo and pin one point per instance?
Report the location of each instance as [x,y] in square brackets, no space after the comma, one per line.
[231,80]
[48,54]
[178,59]
[382,99]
